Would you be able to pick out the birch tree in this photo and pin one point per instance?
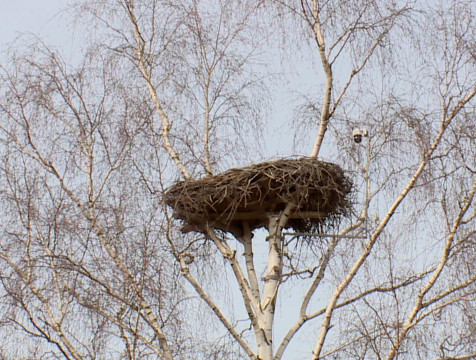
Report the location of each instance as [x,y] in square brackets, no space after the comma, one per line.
[93,264]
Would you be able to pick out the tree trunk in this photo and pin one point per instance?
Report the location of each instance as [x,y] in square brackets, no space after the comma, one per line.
[272,279]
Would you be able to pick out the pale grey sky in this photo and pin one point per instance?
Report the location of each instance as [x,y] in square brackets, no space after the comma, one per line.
[39,17]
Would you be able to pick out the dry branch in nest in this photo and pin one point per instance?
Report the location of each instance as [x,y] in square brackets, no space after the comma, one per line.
[254,193]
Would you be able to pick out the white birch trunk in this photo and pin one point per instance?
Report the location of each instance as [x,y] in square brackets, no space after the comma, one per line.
[268,303]
[272,281]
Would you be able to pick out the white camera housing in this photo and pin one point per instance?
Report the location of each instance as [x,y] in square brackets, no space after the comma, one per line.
[359,134]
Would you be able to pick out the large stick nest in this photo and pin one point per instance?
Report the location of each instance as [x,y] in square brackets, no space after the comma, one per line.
[252,194]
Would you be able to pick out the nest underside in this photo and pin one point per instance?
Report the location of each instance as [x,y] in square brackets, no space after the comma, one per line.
[319,190]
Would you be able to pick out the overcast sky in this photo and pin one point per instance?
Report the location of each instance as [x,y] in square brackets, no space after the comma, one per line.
[39,17]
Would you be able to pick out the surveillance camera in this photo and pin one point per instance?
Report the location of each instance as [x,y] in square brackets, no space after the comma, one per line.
[358,134]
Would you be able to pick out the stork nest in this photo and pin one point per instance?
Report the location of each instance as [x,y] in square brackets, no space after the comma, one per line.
[319,190]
